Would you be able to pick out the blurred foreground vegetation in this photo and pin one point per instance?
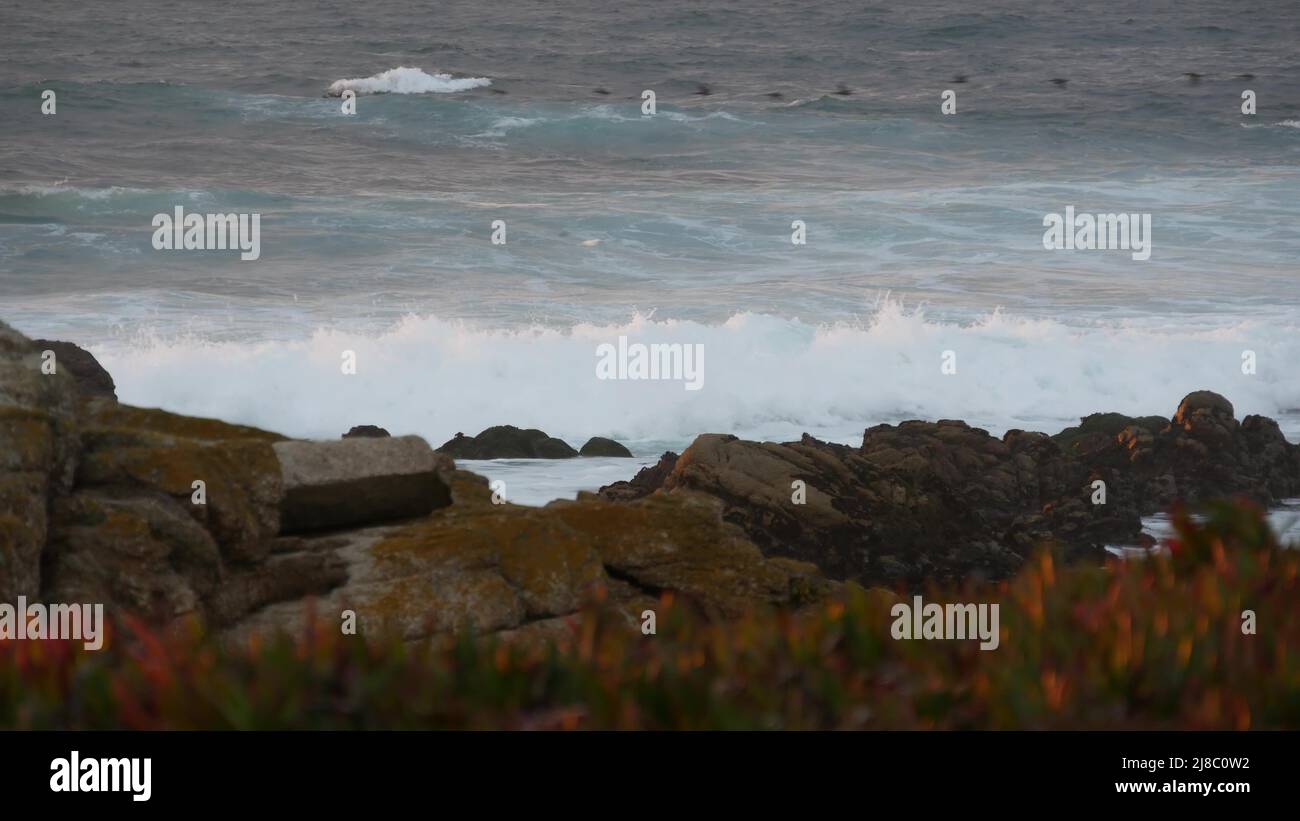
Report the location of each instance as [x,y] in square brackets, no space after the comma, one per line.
[1149,643]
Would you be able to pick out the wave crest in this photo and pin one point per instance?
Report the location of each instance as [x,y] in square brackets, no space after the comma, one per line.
[403,80]
[764,376]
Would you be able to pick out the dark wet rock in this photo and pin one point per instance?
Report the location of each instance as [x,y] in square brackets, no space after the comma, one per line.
[646,481]
[941,500]
[88,375]
[366,432]
[920,501]
[1099,429]
[507,442]
[600,446]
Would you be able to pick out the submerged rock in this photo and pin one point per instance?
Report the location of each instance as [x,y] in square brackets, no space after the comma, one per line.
[507,442]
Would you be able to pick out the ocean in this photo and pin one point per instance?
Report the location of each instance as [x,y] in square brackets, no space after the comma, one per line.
[922,290]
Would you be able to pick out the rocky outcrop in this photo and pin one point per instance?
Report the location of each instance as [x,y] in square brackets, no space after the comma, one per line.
[87,374]
[38,458]
[507,442]
[942,500]
[522,571]
[366,432]
[166,516]
[646,481]
[600,446]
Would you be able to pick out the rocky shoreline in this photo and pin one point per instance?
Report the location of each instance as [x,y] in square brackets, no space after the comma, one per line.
[943,501]
[170,517]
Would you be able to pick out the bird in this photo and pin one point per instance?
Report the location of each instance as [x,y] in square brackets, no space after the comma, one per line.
[843,90]
[601,91]
[702,89]
[960,78]
[1059,81]
[775,95]
[1192,76]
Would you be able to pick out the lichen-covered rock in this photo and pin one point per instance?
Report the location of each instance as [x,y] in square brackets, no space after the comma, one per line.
[38,458]
[508,568]
[135,552]
[155,451]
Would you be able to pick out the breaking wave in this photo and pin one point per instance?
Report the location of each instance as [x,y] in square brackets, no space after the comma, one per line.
[764,376]
[403,80]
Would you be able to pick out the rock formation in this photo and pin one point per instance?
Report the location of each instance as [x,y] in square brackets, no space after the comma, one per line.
[87,374]
[165,516]
[366,432]
[600,446]
[942,500]
[646,481]
[507,442]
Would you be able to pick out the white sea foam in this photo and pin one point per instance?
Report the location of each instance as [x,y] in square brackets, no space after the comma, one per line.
[403,80]
[1280,123]
[767,377]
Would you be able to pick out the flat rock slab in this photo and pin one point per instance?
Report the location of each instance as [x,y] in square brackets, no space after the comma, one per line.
[359,481]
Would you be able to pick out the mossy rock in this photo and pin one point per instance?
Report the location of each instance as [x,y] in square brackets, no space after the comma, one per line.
[139,553]
[126,447]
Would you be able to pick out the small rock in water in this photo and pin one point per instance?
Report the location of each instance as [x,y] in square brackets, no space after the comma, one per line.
[366,432]
[600,446]
[508,442]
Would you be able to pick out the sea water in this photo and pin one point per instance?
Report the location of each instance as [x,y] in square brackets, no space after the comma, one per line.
[924,230]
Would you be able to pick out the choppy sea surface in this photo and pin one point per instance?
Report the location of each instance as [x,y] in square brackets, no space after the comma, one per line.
[924,230]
